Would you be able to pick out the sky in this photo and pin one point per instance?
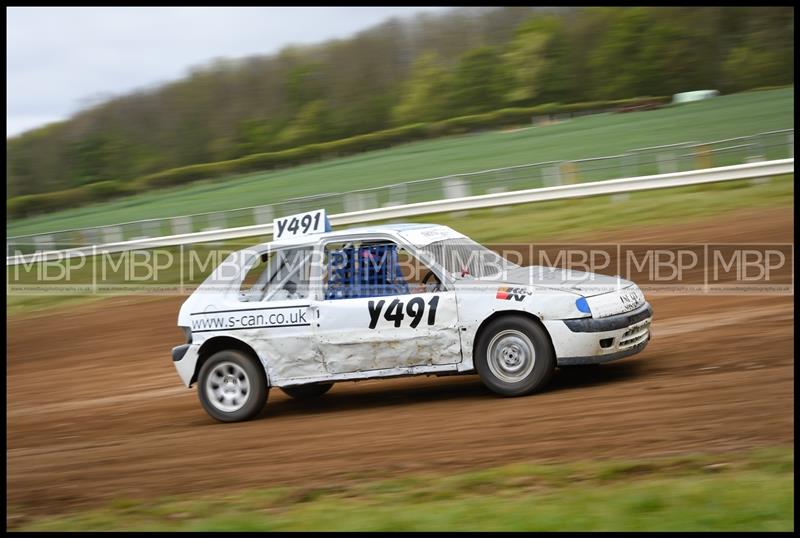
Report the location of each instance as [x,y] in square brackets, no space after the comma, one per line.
[62,59]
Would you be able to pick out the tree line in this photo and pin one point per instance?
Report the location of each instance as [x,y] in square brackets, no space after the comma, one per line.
[404,72]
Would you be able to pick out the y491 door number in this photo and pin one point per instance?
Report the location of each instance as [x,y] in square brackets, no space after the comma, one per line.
[397,311]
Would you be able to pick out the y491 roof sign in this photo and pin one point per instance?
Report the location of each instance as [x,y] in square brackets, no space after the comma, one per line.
[313,222]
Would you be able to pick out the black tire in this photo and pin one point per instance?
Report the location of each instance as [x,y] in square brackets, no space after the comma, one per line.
[307,392]
[509,373]
[245,378]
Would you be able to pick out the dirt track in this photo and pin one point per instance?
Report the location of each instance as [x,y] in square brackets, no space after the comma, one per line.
[96,410]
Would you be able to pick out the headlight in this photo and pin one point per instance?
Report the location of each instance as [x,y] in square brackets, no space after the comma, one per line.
[583,305]
[187,332]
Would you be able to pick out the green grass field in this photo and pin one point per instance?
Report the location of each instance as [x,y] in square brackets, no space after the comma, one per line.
[584,137]
[734,492]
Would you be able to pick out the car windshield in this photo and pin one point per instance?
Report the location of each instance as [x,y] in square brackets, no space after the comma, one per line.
[464,258]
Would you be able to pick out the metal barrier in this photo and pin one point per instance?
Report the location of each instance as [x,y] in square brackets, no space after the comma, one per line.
[560,192]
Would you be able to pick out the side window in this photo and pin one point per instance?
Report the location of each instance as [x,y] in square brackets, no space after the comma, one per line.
[371,269]
[419,276]
[256,270]
[278,275]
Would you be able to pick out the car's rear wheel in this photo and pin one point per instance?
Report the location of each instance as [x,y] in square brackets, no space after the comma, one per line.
[513,356]
[307,392]
[232,386]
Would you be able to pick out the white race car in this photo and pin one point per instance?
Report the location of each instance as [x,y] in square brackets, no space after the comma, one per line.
[314,307]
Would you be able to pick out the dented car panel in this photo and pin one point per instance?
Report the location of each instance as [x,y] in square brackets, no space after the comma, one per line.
[355,335]
[305,331]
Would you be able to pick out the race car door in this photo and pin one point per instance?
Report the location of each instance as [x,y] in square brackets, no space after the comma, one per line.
[376,312]
[274,313]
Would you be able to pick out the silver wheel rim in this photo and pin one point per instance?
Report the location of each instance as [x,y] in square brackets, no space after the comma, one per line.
[511,356]
[227,387]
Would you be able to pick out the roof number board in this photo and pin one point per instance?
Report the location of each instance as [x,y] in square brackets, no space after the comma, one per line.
[313,222]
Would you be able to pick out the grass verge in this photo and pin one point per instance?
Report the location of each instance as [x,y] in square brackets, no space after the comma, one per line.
[748,491]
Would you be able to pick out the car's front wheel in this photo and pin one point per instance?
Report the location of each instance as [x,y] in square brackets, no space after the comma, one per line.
[307,392]
[232,386]
[513,356]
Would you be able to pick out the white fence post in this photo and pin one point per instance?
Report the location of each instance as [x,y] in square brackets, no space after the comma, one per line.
[263,214]
[666,163]
[398,194]
[181,225]
[43,242]
[351,204]
[551,176]
[112,234]
[370,200]
[455,187]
